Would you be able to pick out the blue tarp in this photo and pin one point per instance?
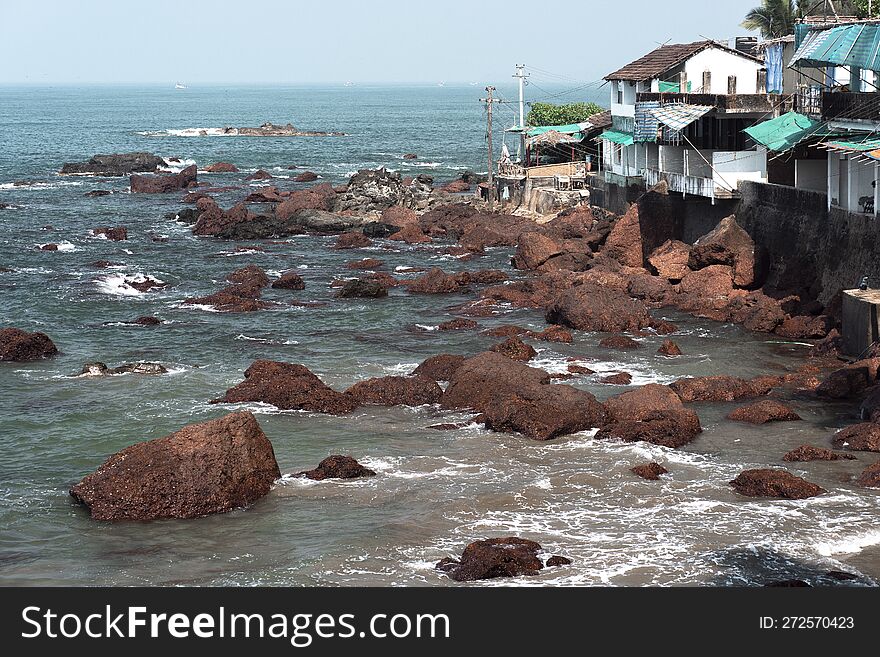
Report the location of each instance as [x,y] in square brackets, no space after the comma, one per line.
[773,62]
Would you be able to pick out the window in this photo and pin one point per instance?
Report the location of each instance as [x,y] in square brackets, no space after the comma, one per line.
[620,93]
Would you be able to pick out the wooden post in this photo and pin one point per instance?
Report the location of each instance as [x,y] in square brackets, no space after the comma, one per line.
[489,102]
[731,84]
[683,82]
[762,81]
[707,82]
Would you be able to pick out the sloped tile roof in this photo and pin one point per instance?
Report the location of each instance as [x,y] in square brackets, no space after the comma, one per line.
[660,60]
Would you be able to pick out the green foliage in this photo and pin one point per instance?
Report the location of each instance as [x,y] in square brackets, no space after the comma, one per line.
[773,18]
[551,114]
[861,8]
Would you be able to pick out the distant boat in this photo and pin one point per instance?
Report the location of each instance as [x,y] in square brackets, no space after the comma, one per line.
[441,84]
[349,84]
[474,84]
[180,85]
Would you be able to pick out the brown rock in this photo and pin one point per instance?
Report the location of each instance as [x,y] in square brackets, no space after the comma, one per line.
[644,400]
[458,324]
[845,383]
[22,347]
[756,312]
[494,557]
[162,184]
[624,243]
[319,197]
[552,334]
[506,331]
[289,280]
[411,234]
[810,453]
[669,348]
[767,482]
[435,281]
[115,233]
[205,468]
[49,247]
[650,471]
[410,156]
[222,167]
[669,428]
[534,249]
[670,260]
[593,308]
[557,560]
[620,342]
[259,174]
[366,263]
[396,390]
[718,388]
[352,240]
[617,379]
[288,387]
[306,176]
[145,320]
[362,288]
[439,368]
[870,408]
[249,276]
[870,477]
[337,467]
[864,437]
[579,369]
[762,412]
[713,282]
[728,244]
[398,215]
[805,327]
[516,349]
[456,187]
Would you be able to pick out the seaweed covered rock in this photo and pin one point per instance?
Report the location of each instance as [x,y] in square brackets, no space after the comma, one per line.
[396,390]
[772,482]
[337,466]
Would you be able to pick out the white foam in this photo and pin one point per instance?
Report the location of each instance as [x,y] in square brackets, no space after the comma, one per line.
[177,167]
[62,246]
[849,545]
[120,284]
[38,185]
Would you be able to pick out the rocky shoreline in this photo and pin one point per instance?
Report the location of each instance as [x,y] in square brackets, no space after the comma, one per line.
[587,271]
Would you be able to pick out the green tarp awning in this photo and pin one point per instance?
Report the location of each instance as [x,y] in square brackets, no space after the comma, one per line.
[570,129]
[618,137]
[672,87]
[844,45]
[858,143]
[786,131]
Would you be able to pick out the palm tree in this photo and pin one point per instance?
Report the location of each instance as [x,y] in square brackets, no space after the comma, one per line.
[774,18]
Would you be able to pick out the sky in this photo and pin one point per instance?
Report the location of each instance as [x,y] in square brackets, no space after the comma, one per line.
[291,42]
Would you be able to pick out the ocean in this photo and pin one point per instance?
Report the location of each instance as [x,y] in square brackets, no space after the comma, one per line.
[434,491]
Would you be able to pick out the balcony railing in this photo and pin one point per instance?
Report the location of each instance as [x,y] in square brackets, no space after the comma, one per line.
[854,106]
[732,103]
[685,184]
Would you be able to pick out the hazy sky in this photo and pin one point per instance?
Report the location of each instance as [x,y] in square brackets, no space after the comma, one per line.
[196,41]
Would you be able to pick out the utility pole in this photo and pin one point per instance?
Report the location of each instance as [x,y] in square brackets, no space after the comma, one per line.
[521,75]
[489,102]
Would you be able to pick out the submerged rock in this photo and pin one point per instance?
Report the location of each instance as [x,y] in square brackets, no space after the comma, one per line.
[617,379]
[770,482]
[669,428]
[436,281]
[650,471]
[362,288]
[201,469]
[352,240]
[222,167]
[457,324]
[761,412]
[621,342]
[497,557]
[669,348]
[289,280]
[810,453]
[337,466]
[396,390]
[100,369]
[287,386]
[22,347]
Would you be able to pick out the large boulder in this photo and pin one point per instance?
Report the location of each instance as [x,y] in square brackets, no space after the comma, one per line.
[864,437]
[706,292]
[624,243]
[850,381]
[669,428]
[117,164]
[870,477]
[362,288]
[411,234]
[534,249]
[112,233]
[337,466]
[372,191]
[512,397]
[593,308]
[646,399]
[436,281]
[497,557]
[772,482]
[164,183]
[396,390]
[670,260]
[728,244]
[870,408]
[762,412]
[440,367]
[756,312]
[352,240]
[319,197]
[205,468]
[287,386]
[289,280]
[22,347]
[516,349]
[719,388]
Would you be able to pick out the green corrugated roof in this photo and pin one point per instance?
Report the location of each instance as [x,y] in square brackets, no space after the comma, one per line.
[844,45]
[865,142]
[618,137]
[786,131]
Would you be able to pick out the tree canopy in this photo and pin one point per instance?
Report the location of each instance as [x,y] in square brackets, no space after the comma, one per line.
[551,114]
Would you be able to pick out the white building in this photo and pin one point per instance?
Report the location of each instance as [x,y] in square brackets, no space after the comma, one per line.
[678,114]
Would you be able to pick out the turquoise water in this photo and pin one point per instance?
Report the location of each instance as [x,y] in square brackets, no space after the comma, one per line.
[436,491]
